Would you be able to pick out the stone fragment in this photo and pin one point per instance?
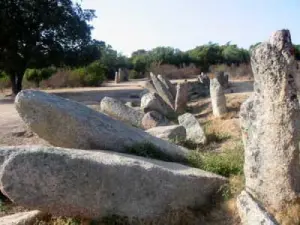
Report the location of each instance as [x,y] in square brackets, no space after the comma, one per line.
[154,119]
[21,218]
[181,99]
[165,81]
[194,131]
[169,133]
[122,112]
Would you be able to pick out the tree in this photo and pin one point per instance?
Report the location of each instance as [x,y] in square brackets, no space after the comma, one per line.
[41,33]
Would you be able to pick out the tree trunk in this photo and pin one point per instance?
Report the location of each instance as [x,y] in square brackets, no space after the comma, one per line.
[16,82]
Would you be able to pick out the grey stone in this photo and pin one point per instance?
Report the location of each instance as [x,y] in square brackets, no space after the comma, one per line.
[251,212]
[153,102]
[69,124]
[154,119]
[21,218]
[169,133]
[270,125]
[116,109]
[117,78]
[165,81]
[149,86]
[181,99]
[222,78]
[95,184]
[162,91]
[218,99]
[194,131]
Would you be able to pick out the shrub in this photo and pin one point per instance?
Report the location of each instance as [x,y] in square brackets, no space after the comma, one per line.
[37,75]
[4,81]
[95,74]
[134,74]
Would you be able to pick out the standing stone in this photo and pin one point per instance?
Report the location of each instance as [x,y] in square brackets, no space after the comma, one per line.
[181,99]
[116,109]
[194,131]
[117,80]
[222,78]
[154,119]
[169,133]
[218,99]
[22,218]
[162,91]
[89,184]
[153,102]
[66,123]
[251,212]
[270,123]
[165,81]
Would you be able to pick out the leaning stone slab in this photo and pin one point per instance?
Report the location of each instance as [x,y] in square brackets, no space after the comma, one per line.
[218,99]
[270,125]
[251,213]
[162,91]
[181,100]
[116,109]
[153,102]
[95,184]
[69,124]
[149,86]
[165,81]
[22,218]
[193,128]
[169,133]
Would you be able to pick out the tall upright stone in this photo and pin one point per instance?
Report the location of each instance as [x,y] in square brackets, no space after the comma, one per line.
[181,100]
[165,81]
[117,79]
[218,99]
[162,90]
[270,122]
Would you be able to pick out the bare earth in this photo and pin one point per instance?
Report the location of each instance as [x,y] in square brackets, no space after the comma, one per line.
[14,132]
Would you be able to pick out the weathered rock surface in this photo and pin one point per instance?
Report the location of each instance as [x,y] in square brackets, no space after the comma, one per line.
[149,86]
[22,218]
[270,125]
[196,90]
[194,131]
[154,119]
[120,111]
[165,81]
[69,124]
[181,99]
[153,102]
[218,99]
[223,79]
[251,212]
[170,133]
[162,91]
[94,184]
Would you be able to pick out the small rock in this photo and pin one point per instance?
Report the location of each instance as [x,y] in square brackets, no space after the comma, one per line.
[169,133]
[120,111]
[194,131]
[22,218]
[154,119]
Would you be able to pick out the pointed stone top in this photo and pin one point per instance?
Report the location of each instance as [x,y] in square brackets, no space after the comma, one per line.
[281,39]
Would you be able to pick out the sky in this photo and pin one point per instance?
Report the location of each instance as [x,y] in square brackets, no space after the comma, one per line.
[129,25]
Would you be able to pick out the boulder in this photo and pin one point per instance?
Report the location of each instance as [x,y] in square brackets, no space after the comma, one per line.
[169,133]
[194,131]
[154,119]
[165,81]
[270,125]
[162,91]
[251,212]
[22,218]
[218,99]
[116,109]
[181,99]
[97,184]
[153,102]
[66,123]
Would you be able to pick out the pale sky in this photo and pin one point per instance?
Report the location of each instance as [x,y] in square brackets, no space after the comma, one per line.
[129,25]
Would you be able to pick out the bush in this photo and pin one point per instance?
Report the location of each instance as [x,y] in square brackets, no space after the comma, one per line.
[134,75]
[37,75]
[4,81]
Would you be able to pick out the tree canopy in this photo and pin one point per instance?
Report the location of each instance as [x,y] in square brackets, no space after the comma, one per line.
[41,33]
